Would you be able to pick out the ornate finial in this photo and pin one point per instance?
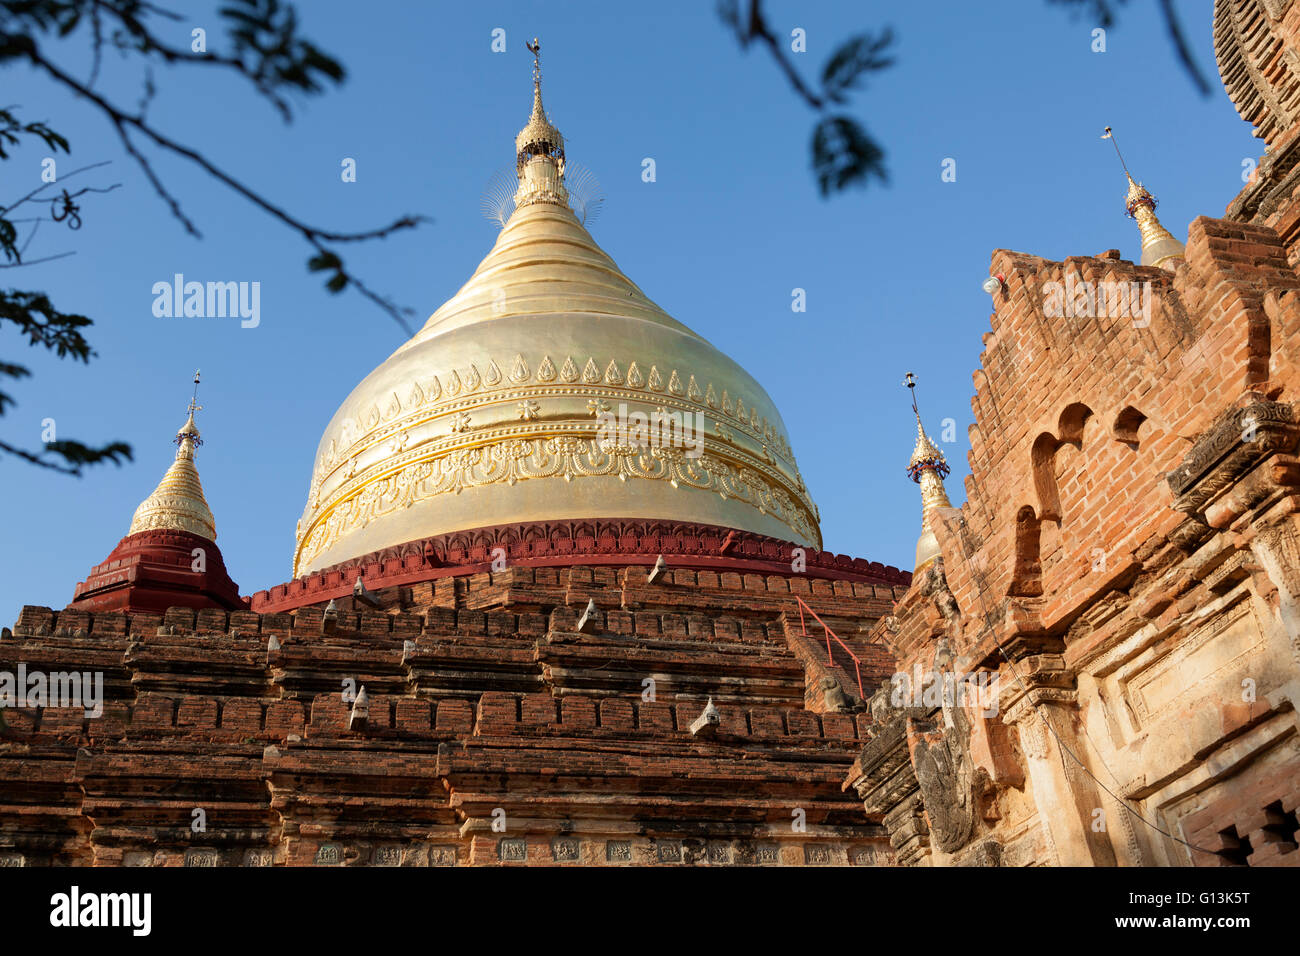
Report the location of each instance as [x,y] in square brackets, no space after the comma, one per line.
[189,432]
[194,406]
[178,504]
[1108,134]
[539,149]
[927,467]
[1159,247]
[926,455]
[536,48]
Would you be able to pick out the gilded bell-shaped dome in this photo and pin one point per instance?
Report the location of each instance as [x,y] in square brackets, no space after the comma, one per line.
[549,388]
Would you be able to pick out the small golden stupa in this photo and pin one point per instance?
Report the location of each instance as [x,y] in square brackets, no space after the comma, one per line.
[178,504]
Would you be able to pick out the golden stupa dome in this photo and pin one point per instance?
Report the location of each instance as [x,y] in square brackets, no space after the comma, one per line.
[525,397]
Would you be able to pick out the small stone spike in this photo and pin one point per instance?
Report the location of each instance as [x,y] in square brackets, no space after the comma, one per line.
[587,623]
[360,715]
[706,725]
[363,595]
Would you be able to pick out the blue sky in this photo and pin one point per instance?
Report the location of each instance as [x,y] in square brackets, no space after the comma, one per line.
[1011,91]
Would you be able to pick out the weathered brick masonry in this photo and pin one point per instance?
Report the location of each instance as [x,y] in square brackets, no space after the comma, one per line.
[486,704]
[1127,560]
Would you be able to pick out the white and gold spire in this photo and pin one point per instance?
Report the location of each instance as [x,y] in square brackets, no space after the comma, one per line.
[927,467]
[1159,247]
[539,149]
[177,504]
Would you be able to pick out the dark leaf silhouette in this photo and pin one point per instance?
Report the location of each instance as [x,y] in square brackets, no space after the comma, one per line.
[855,58]
[845,155]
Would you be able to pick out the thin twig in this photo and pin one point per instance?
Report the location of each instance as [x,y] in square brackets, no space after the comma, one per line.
[172,202]
[32,236]
[33,262]
[97,43]
[759,29]
[37,460]
[4,211]
[1183,50]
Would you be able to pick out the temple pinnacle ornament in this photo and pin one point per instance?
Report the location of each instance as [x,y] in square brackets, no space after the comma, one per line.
[927,467]
[178,503]
[1159,247]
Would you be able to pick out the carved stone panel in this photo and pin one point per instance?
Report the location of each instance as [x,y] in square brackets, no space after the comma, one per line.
[816,854]
[669,851]
[442,856]
[565,850]
[389,855]
[514,850]
[329,854]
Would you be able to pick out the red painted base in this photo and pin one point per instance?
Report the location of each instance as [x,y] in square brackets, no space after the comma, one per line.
[154,570]
[559,543]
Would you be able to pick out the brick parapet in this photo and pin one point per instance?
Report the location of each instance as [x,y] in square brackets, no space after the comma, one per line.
[614,544]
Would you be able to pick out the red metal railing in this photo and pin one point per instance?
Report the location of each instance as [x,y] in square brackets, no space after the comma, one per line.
[857,662]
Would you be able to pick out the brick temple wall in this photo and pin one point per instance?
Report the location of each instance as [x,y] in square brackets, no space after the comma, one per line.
[1126,565]
[1124,576]
[497,732]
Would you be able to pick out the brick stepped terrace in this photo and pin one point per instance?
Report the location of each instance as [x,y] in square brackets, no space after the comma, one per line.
[500,728]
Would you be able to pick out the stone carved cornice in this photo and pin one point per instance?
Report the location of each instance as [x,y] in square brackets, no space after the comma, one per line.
[1257,65]
[1239,439]
[1037,679]
[1275,182]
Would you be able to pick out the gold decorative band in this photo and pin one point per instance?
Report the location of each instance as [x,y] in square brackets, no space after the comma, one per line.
[565,456]
[437,396]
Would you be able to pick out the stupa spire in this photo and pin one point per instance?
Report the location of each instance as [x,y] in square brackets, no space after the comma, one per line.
[927,467]
[1159,247]
[539,149]
[178,504]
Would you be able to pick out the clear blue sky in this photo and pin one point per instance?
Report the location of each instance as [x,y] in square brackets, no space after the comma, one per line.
[1011,91]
